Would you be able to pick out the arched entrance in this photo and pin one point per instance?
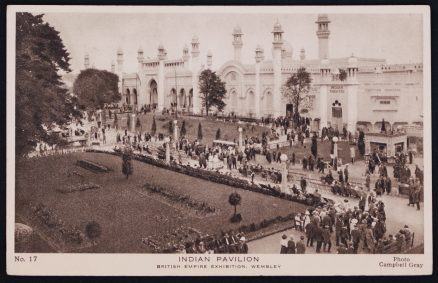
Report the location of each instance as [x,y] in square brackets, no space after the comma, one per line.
[182,101]
[268,102]
[153,93]
[190,102]
[251,103]
[233,101]
[134,97]
[336,115]
[128,96]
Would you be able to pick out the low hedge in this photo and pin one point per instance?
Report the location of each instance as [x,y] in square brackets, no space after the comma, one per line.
[219,178]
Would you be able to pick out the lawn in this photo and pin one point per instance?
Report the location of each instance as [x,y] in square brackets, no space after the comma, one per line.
[125,213]
[229,131]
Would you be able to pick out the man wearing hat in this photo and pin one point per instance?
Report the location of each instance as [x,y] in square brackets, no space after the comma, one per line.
[301,248]
[326,239]
[291,245]
[283,244]
[243,246]
[318,238]
[355,237]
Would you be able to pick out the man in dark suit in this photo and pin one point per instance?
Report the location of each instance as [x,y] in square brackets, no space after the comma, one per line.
[291,245]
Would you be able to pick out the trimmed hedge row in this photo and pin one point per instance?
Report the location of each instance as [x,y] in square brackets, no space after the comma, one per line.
[219,178]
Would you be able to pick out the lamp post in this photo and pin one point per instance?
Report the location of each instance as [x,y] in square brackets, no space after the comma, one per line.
[283,158]
[176,96]
[167,141]
[175,133]
[240,138]
[335,152]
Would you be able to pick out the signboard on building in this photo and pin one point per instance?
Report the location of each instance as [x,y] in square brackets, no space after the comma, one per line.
[336,89]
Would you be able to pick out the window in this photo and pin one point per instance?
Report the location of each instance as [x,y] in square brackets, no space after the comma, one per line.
[385,102]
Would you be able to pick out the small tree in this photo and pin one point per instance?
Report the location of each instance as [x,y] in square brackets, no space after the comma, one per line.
[296,89]
[199,132]
[183,128]
[218,134]
[212,89]
[116,121]
[342,75]
[93,230]
[361,143]
[314,147]
[127,168]
[154,126]
[235,199]
[170,127]
[138,124]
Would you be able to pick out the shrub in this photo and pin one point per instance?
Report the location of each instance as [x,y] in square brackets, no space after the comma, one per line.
[236,218]
[93,230]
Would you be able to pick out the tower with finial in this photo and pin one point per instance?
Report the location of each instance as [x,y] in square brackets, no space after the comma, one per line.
[86,61]
[276,61]
[195,66]
[237,42]
[162,54]
[209,59]
[259,57]
[302,54]
[323,33]
[140,58]
[186,55]
[353,90]
[120,60]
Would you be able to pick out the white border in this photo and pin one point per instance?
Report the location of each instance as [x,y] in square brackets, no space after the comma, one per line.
[144,264]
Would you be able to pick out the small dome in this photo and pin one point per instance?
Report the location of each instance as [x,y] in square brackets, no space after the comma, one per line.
[352,61]
[140,49]
[335,71]
[87,56]
[325,62]
[259,48]
[195,39]
[237,30]
[186,48]
[209,54]
[323,18]
[119,51]
[277,27]
[160,47]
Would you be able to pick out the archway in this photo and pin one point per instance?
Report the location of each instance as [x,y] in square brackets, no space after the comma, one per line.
[268,102]
[190,102]
[182,101]
[251,103]
[337,115]
[153,93]
[128,96]
[134,96]
[173,96]
[233,101]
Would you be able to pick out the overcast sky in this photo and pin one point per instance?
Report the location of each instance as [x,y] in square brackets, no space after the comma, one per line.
[396,38]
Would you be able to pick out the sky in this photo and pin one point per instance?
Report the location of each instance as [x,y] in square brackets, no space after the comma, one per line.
[397,38]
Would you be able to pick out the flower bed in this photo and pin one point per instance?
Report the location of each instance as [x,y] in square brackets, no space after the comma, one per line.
[64,236]
[227,242]
[78,188]
[201,208]
[217,177]
[92,166]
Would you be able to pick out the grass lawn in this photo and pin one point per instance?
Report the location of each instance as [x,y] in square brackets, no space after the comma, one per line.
[122,209]
[229,131]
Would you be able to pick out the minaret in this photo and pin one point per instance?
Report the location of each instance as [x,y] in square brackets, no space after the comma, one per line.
[237,43]
[86,61]
[120,68]
[195,75]
[160,84]
[259,57]
[302,54]
[323,33]
[209,59]
[325,77]
[120,60]
[279,110]
[186,56]
[140,59]
[352,87]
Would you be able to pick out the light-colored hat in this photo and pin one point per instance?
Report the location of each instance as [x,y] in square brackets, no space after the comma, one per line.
[243,239]
[354,221]
[307,212]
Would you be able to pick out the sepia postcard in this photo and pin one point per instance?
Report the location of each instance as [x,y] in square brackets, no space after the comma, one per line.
[194,140]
